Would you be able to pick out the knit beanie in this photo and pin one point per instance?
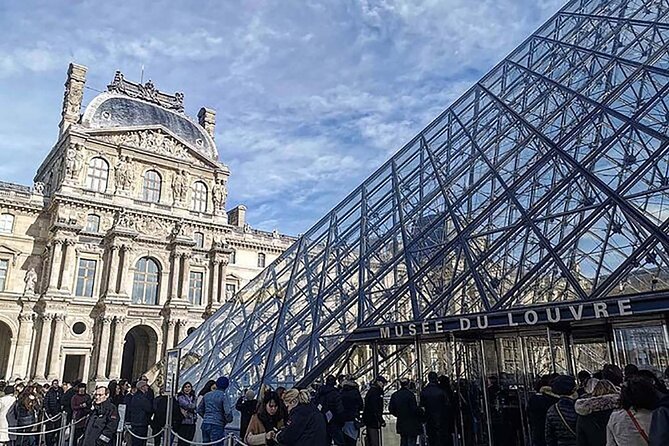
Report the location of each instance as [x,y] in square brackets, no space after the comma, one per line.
[222,383]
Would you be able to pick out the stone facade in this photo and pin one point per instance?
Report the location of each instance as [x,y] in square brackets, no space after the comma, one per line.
[124,243]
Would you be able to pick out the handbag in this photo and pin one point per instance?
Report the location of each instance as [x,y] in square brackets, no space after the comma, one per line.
[638,427]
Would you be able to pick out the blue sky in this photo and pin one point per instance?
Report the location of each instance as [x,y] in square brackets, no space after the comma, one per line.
[311,95]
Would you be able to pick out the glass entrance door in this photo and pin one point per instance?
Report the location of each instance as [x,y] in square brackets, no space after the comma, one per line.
[644,346]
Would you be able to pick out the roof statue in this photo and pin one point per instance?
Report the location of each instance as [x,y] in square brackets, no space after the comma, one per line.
[546,182]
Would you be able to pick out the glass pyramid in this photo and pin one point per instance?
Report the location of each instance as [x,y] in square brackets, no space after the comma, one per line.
[547,181]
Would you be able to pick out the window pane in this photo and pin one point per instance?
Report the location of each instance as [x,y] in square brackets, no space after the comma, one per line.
[233,257]
[85,278]
[92,223]
[199,239]
[152,183]
[6,223]
[230,290]
[96,177]
[146,282]
[199,197]
[261,260]
[195,288]
[4,265]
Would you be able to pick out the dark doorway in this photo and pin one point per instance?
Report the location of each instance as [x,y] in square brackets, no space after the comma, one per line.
[74,368]
[139,351]
[5,347]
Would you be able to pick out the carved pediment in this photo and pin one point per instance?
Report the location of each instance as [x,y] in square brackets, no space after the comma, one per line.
[155,140]
[8,251]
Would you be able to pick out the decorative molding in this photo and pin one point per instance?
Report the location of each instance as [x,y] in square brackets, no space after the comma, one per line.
[147,92]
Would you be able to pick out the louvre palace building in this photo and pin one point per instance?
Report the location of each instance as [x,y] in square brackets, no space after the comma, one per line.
[124,243]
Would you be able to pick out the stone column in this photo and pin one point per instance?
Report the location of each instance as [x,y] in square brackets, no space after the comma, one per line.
[21,363]
[185,267]
[182,331]
[69,261]
[214,296]
[105,322]
[112,277]
[224,273]
[54,269]
[54,364]
[176,260]
[45,338]
[125,270]
[117,347]
[169,336]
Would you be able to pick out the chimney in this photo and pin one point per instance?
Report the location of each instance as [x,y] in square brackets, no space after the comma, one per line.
[74,95]
[207,118]
[237,216]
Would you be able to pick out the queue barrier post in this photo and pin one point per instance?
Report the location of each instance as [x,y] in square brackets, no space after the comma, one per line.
[61,434]
[71,439]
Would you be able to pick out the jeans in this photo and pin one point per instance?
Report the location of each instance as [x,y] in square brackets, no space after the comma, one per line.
[212,432]
[408,440]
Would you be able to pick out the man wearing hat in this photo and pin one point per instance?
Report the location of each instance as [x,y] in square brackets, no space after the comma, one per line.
[561,417]
[215,411]
[372,415]
[403,405]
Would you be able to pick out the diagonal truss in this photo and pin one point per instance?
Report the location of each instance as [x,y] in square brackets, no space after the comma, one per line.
[547,181]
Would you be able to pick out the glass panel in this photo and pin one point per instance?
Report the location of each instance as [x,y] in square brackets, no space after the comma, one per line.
[590,356]
[6,223]
[85,278]
[4,265]
[642,346]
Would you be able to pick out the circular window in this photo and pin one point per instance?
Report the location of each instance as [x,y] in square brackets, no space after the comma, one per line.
[79,328]
[190,330]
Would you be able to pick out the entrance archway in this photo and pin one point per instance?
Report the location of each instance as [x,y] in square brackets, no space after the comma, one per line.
[139,351]
[5,347]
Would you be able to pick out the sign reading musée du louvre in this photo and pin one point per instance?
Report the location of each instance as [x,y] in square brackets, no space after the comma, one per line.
[576,311]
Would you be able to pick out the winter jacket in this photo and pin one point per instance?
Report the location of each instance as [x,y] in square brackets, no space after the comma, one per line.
[537,407]
[6,403]
[351,400]
[561,423]
[81,406]
[305,427]
[255,433]
[434,402]
[159,413]
[187,407]
[66,402]
[139,409]
[403,405]
[621,430]
[593,416]
[214,408]
[52,404]
[101,425]
[372,415]
[659,426]
[329,400]
[246,410]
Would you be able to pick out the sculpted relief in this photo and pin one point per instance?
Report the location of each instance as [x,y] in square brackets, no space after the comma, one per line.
[74,160]
[219,194]
[125,174]
[179,186]
[151,140]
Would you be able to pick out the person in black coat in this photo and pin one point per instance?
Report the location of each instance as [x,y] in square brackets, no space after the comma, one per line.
[247,406]
[52,407]
[537,407]
[561,417]
[403,405]
[101,425]
[139,411]
[159,419]
[66,399]
[352,402]
[594,412]
[372,415]
[306,425]
[330,405]
[434,402]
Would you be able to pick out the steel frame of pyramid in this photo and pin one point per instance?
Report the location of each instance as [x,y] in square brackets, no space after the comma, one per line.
[547,181]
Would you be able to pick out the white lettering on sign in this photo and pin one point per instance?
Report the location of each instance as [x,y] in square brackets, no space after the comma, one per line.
[465,324]
[439,327]
[483,324]
[399,330]
[425,327]
[531,317]
[600,309]
[624,307]
[554,318]
[577,314]
[412,329]
[511,322]
[385,332]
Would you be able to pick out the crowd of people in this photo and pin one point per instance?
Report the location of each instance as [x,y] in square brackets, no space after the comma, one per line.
[608,408]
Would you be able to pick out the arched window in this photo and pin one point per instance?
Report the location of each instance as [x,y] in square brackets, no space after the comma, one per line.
[152,183]
[6,223]
[92,223]
[199,197]
[146,282]
[261,260]
[199,239]
[97,175]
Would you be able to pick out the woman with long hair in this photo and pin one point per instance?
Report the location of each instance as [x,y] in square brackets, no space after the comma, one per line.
[186,401]
[263,424]
[630,426]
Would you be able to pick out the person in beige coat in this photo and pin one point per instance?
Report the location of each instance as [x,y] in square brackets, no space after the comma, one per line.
[6,401]
[264,424]
[630,425]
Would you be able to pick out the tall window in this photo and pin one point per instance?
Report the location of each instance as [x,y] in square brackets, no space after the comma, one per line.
[232,257]
[195,287]
[261,260]
[199,197]
[4,266]
[146,281]
[230,290]
[199,239]
[6,223]
[152,183]
[85,277]
[92,223]
[98,172]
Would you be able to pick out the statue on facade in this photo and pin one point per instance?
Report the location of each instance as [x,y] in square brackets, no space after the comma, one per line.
[123,220]
[124,173]
[30,280]
[180,186]
[219,194]
[74,160]
[39,188]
